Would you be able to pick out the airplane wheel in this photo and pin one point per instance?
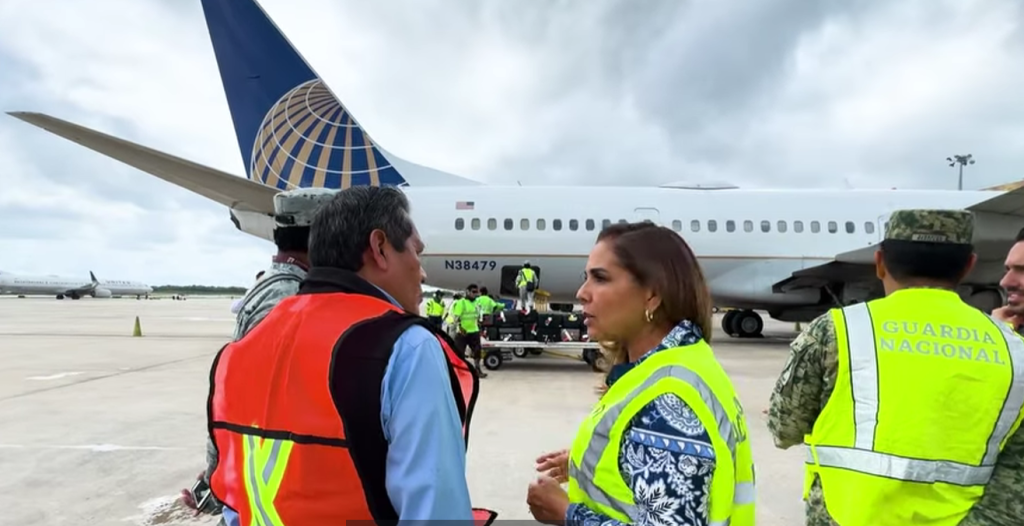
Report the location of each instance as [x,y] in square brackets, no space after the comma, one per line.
[520,352]
[493,361]
[727,322]
[747,324]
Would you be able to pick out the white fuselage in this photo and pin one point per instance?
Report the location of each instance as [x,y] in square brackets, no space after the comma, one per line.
[746,240]
[56,285]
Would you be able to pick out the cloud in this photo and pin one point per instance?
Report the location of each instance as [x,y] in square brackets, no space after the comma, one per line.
[782,94]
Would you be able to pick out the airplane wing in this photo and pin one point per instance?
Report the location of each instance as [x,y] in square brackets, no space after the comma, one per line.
[227,189]
[1010,203]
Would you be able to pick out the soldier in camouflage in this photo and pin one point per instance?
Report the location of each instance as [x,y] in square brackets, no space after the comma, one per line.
[809,378]
[294,211]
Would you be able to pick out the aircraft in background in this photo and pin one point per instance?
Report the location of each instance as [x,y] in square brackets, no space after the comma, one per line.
[73,288]
[792,253]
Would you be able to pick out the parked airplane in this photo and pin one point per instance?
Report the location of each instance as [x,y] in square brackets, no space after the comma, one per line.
[792,253]
[73,288]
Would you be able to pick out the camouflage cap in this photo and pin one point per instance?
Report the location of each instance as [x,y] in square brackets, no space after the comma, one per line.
[298,207]
[935,226]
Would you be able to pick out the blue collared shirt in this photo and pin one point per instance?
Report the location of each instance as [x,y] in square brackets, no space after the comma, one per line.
[426,462]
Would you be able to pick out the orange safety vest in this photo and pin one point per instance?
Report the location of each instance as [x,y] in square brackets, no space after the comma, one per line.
[299,440]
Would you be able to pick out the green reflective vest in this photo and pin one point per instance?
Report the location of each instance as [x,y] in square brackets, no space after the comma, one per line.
[692,373]
[465,311]
[525,276]
[434,308]
[928,390]
[486,305]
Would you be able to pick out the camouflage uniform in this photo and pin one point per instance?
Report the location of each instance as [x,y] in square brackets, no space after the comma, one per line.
[294,208]
[809,378]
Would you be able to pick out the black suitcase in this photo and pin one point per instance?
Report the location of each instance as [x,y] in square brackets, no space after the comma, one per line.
[509,318]
[573,320]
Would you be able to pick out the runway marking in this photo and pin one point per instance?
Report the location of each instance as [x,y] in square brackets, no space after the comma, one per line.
[52,376]
[96,448]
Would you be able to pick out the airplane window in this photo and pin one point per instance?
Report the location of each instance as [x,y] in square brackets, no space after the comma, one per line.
[849,227]
[748,226]
[556,224]
[508,224]
[695,225]
[541,224]
[869,227]
[677,225]
[460,224]
[832,227]
[492,224]
[524,224]
[606,223]
[815,227]
[730,226]
[798,226]
[573,225]
[781,226]
[475,223]
[766,226]
[712,225]
[590,224]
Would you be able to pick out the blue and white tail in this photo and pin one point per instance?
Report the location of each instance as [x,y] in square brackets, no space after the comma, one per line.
[292,131]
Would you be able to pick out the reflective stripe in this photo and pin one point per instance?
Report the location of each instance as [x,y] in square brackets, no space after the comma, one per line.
[745,493]
[860,334]
[1015,396]
[863,358]
[900,468]
[586,484]
[262,488]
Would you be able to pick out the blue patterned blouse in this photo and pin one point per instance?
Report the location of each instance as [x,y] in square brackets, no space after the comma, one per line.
[666,456]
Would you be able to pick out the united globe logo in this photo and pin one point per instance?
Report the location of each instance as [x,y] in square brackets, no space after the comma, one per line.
[308,139]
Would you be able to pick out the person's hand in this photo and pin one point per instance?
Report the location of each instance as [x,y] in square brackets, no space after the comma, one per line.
[188,500]
[555,465]
[548,501]
[1006,315]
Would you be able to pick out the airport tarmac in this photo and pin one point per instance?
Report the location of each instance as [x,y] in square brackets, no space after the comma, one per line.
[99,427]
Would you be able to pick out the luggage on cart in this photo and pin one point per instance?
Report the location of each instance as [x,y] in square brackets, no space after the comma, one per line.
[509,318]
[549,327]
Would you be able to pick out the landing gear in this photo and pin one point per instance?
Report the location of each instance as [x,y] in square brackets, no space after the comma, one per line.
[742,324]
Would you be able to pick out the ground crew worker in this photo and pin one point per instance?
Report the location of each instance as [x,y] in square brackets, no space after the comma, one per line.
[293,213]
[435,309]
[526,282]
[393,387]
[904,402]
[467,319]
[486,305]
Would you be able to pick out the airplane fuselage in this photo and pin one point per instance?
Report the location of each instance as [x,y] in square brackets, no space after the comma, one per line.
[60,286]
[745,240]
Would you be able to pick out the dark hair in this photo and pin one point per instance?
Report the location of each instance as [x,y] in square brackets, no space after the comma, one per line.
[659,258]
[942,262]
[483,290]
[1020,236]
[292,239]
[340,233]
[472,286]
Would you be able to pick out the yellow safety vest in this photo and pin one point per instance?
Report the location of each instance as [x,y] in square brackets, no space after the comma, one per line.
[525,276]
[693,374]
[465,311]
[928,390]
[434,307]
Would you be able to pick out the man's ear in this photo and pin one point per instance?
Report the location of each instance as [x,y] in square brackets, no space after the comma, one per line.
[879,265]
[378,240]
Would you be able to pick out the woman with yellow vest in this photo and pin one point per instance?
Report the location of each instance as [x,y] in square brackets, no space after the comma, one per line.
[667,443]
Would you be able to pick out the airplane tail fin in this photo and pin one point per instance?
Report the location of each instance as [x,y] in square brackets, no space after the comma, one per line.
[1006,187]
[292,130]
[93,278]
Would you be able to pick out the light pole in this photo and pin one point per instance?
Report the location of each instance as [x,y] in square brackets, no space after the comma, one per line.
[962,160]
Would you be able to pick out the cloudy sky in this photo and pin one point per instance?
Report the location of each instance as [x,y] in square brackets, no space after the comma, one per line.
[789,93]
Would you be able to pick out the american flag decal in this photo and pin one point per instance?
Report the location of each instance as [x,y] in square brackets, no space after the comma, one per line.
[464,205]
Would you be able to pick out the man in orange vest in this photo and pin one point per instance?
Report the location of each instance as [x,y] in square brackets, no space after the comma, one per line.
[324,411]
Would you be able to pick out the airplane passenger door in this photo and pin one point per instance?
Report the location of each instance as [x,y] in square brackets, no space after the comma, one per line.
[883,221]
[648,214]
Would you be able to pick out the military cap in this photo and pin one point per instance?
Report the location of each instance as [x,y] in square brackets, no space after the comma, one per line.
[298,207]
[935,226]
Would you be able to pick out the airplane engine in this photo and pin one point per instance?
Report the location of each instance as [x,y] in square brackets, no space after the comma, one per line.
[101,293]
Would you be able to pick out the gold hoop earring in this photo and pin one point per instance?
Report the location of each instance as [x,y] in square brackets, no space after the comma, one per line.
[648,315]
